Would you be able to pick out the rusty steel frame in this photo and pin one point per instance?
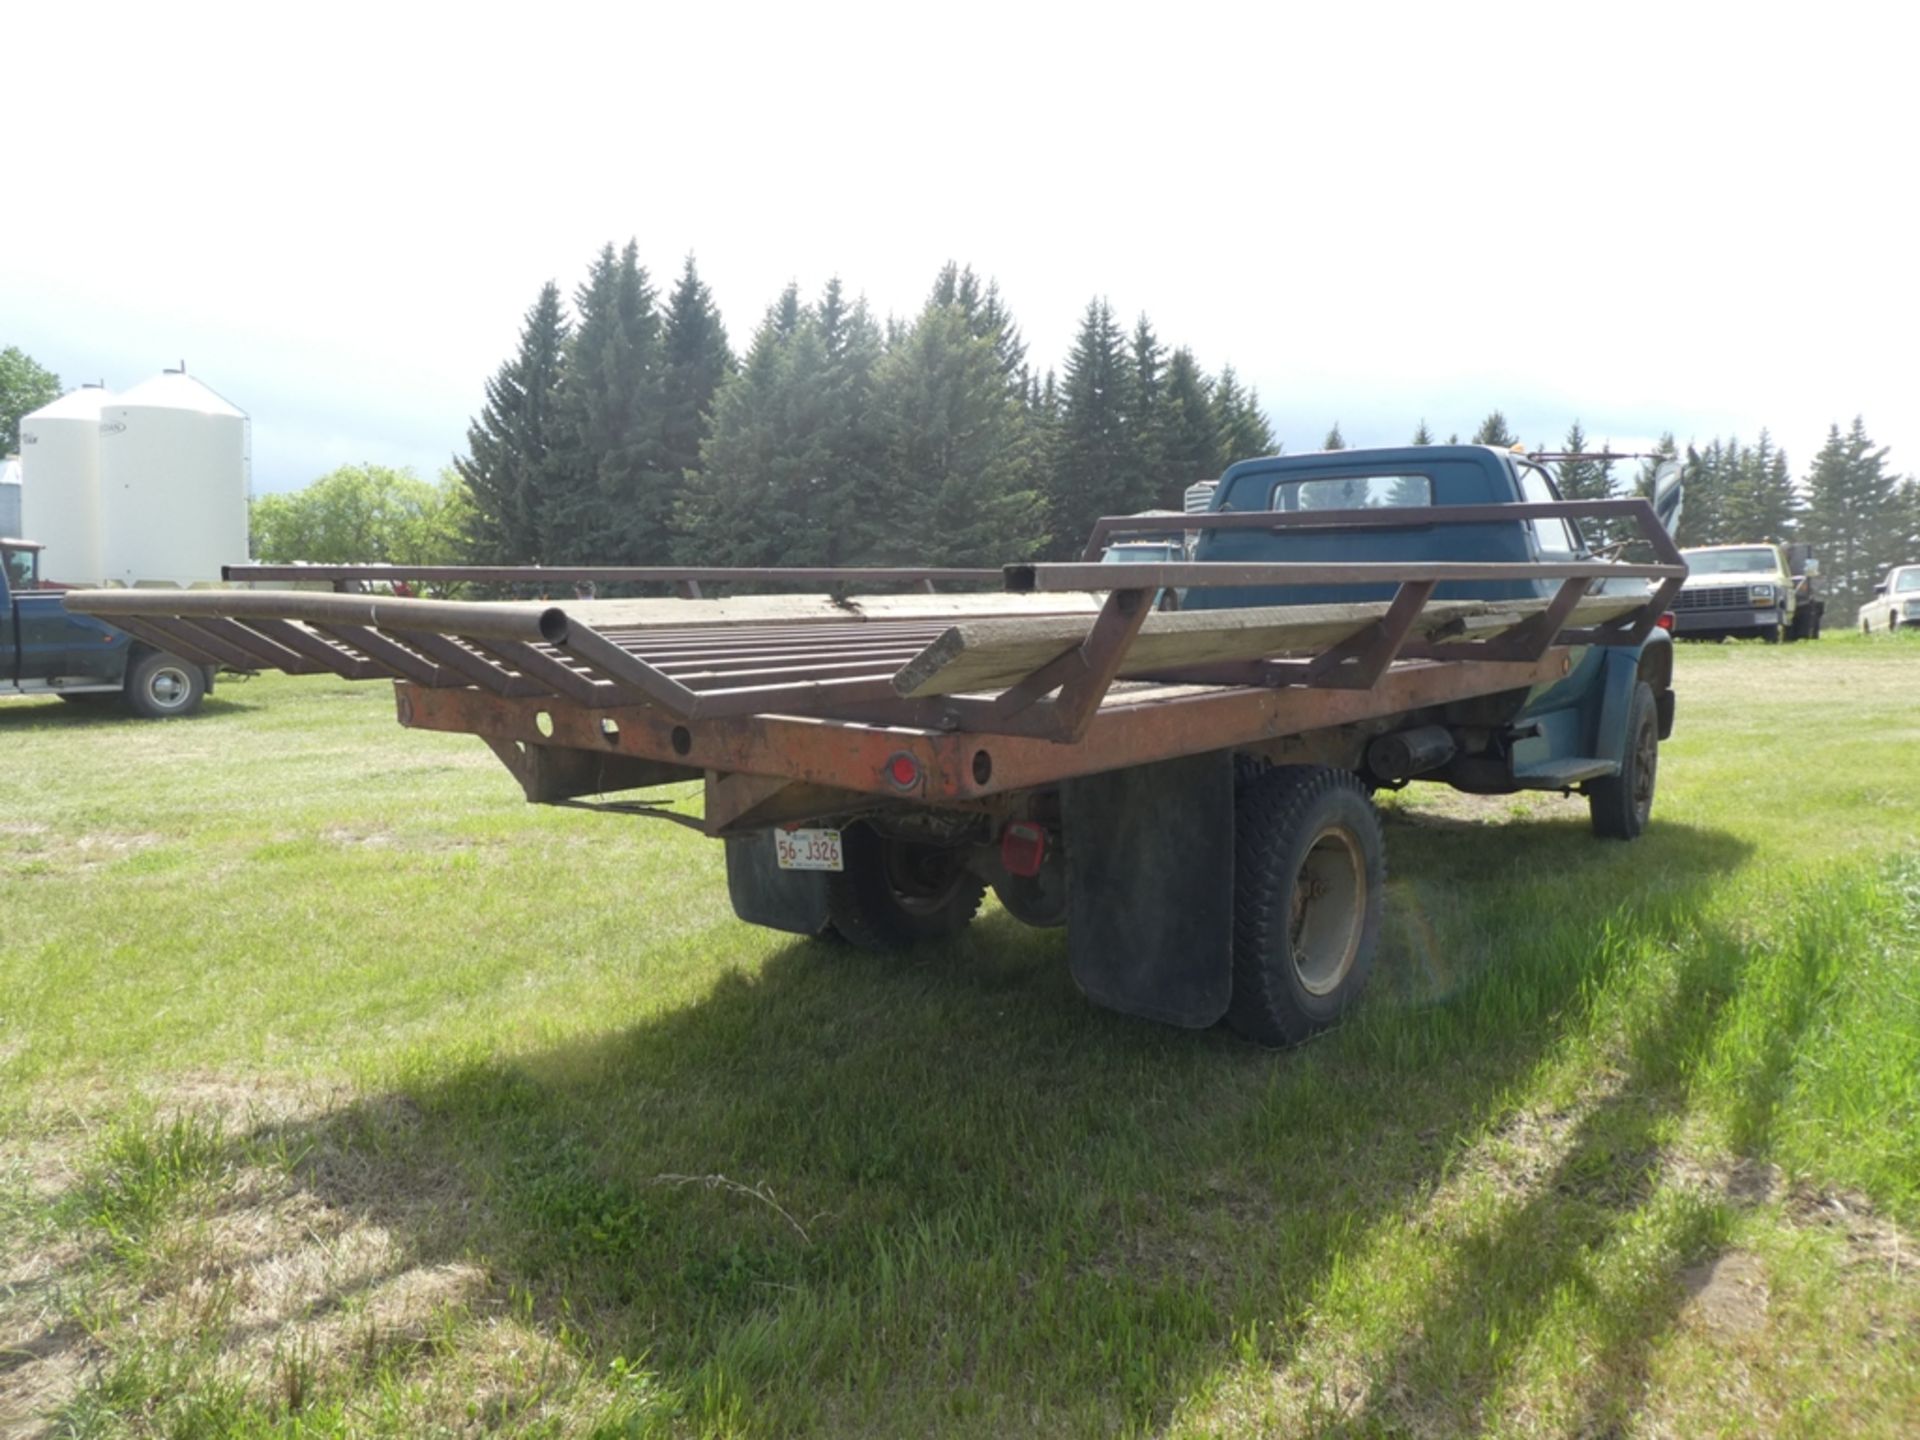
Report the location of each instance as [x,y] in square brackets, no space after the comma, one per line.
[964,768]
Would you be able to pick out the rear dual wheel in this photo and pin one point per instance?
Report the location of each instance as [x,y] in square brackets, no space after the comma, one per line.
[1309,883]
[894,893]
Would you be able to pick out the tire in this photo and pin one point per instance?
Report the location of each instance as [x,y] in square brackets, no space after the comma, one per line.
[1036,900]
[1774,633]
[1622,804]
[161,686]
[894,893]
[1309,888]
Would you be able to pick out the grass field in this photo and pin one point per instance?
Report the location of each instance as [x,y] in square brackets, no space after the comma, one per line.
[342,1093]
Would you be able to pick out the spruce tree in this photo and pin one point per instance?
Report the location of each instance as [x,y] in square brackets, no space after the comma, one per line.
[1335,440]
[696,360]
[1150,482]
[510,443]
[1423,436]
[1244,431]
[1584,480]
[1493,431]
[1190,429]
[955,448]
[1092,469]
[1703,518]
[987,317]
[792,472]
[611,498]
[1757,498]
[1853,514]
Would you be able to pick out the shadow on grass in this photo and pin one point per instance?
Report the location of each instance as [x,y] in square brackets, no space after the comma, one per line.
[1592,1205]
[24,714]
[891,1194]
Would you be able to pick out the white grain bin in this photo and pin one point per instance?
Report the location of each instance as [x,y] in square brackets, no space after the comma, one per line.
[10,497]
[60,484]
[174,473]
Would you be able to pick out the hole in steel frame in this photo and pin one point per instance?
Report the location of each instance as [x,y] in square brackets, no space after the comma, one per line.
[609,729]
[682,740]
[543,722]
[982,767]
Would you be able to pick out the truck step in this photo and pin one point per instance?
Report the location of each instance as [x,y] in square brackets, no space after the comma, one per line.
[1559,774]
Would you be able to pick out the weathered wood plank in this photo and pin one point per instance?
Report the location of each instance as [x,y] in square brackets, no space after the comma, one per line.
[989,655]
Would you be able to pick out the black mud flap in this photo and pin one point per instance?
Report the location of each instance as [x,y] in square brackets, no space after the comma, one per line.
[764,894]
[1150,888]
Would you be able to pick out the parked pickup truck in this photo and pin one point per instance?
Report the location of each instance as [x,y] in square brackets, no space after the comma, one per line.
[1735,590]
[1189,794]
[1895,603]
[46,649]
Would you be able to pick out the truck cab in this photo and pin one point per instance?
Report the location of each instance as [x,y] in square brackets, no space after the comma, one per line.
[1579,733]
[46,649]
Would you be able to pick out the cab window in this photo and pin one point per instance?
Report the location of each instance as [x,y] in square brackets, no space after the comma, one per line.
[1353,492]
[20,568]
[1555,537]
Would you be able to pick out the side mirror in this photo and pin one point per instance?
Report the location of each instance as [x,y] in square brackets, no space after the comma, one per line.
[1668,493]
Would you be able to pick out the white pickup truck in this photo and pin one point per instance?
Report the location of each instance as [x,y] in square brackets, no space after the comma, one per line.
[1895,603]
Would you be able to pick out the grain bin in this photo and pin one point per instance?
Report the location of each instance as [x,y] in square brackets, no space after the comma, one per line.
[60,484]
[174,477]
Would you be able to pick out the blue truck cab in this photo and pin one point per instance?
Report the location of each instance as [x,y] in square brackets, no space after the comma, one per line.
[1595,730]
[46,649]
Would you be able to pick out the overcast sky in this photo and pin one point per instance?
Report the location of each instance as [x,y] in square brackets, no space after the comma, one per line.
[1647,218]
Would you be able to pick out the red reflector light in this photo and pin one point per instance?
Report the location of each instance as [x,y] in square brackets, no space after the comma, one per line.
[1022,849]
[1665,622]
[904,771]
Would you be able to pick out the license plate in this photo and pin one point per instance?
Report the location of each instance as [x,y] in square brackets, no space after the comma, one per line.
[808,849]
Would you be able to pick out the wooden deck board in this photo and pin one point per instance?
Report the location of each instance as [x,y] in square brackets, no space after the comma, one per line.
[991,654]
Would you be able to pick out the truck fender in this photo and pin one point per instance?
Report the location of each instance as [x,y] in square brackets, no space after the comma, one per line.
[1625,668]
[1149,854]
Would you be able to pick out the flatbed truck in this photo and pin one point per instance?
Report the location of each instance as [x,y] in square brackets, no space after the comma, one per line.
[1188,793]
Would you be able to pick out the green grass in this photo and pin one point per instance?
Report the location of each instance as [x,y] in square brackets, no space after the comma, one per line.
[345,1094]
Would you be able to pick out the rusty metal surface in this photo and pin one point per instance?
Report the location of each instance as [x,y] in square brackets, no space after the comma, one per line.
[1135,726]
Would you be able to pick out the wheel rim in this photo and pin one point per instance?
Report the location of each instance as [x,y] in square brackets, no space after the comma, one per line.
[169,687]
[1329,901]
[1646,761]
[923,878]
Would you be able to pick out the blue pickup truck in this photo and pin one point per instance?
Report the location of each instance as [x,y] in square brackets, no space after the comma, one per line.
[1595,730]
[46,649]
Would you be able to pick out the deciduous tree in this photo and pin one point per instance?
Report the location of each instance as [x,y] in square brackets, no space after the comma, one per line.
[25,385]
[364,513]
